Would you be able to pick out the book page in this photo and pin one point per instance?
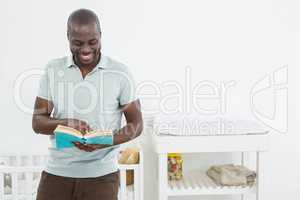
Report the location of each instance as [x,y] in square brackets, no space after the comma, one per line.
[95,133]
[68,130]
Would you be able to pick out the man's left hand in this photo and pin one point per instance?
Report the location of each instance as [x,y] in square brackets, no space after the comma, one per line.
[90,147]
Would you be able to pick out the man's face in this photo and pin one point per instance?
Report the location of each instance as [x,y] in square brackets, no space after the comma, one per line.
[85,44]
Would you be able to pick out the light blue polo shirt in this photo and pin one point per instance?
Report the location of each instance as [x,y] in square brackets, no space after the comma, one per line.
[96,99]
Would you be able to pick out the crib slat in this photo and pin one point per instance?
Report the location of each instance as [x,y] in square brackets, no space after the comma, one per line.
[18,161]
[136,183]
[1,185]
[123,184]
[141,172]
[14,185]
[29,182]
[45,159]
[29,160]
[36,160]
[11,160]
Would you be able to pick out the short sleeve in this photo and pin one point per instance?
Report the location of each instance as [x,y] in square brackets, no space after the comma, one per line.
[128,88]
[44,90]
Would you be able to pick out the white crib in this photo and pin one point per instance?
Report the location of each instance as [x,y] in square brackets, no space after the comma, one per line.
[22,172]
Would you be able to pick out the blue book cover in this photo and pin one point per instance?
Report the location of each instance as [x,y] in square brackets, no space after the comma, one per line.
[65,136]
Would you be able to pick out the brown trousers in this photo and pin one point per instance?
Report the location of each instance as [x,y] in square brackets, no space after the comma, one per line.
[52,187]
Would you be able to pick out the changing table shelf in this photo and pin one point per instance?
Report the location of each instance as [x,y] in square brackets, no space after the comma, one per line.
[197,182]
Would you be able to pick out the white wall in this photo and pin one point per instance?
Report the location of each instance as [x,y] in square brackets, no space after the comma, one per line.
[219,40]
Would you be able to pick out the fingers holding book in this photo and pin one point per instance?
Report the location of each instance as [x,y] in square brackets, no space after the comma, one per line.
[83,147]
[79,125]
[89,147]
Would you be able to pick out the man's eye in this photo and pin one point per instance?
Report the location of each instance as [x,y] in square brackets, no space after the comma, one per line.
[77,43]
[93,42]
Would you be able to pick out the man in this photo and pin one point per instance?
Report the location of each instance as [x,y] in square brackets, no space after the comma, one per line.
[85,91]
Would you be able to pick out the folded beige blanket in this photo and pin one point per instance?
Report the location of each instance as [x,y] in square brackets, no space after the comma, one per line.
[231,175]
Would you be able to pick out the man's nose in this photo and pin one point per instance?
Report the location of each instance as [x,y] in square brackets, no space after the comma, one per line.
[86,49]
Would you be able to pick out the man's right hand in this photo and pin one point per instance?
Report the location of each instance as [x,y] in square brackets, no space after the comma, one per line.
[79,125]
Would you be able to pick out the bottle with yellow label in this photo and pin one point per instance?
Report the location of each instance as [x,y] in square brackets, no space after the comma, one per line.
[175,166]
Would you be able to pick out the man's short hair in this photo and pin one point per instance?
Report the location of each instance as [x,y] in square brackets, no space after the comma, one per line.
[83,17]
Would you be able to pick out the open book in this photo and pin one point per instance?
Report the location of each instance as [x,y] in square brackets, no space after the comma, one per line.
[65,136]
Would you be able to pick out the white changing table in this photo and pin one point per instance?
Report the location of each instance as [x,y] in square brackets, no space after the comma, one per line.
[195,183]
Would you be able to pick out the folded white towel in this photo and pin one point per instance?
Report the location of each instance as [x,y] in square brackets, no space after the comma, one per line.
[231,175]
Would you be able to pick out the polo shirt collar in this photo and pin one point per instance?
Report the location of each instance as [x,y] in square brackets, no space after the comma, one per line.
[100,65]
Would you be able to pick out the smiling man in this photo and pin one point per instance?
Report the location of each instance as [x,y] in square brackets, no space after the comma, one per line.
[86,90]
